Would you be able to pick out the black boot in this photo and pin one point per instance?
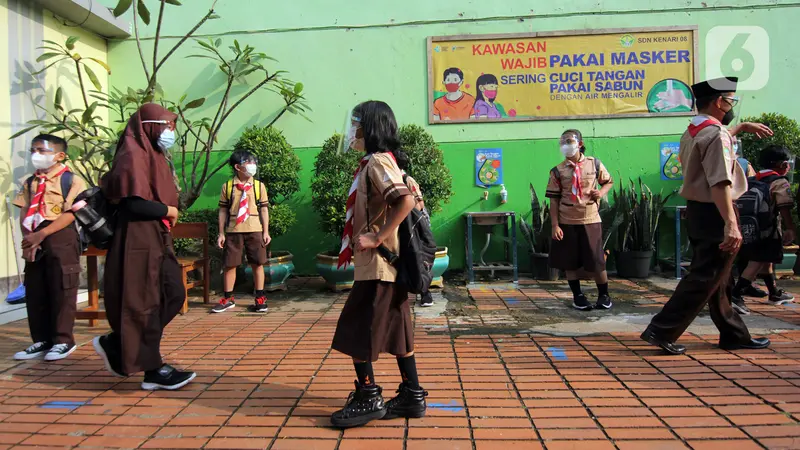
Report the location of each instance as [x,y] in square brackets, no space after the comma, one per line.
[364,405]
[409,403]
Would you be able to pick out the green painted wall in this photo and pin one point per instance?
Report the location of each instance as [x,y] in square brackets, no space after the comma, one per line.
[346,52]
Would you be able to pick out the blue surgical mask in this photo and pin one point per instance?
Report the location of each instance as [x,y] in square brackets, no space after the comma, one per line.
[167,139]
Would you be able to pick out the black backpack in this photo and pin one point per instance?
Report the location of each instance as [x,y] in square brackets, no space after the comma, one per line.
[417,247]
[758,217]
[66,185]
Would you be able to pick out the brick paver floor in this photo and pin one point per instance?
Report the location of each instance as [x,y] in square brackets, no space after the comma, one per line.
[271,381]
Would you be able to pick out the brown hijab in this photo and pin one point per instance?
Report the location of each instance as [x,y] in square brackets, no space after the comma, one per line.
[140,168]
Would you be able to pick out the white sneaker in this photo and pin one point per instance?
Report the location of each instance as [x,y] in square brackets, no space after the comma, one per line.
[60,351]
[34,351]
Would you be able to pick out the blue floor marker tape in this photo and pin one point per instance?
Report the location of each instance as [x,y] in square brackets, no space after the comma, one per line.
[557,353]
[63,405]
[511,301]
[451,406]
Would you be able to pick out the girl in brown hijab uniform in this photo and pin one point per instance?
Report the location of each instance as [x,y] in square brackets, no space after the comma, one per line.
[143,289]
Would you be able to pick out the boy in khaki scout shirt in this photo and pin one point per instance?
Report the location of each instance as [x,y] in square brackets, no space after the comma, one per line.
[575,189]
[243,229]
[712,180]
[51,250]
[762,254]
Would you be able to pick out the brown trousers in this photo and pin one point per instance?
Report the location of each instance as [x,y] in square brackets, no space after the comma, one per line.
[143,291]
[51,288]
[708,282]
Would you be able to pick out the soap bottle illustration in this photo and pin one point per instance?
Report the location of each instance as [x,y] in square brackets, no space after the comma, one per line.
[503,194]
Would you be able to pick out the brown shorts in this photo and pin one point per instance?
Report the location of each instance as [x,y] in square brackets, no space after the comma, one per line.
[375,319]
[249,244]
[582,246]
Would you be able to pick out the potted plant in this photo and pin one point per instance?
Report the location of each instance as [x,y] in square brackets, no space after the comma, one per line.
[333,175]
[538,235]
[426,165]
[278,169]
[639,211]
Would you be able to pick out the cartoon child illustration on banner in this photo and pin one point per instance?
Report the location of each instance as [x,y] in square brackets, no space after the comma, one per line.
[455,104]
[485,96]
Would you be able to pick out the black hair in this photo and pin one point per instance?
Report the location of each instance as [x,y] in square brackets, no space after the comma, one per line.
[453,70]
[402,159]
[486,78]
[580,137]
[53,139]
[704,102]
[378,126]
[240,157]
[772,156]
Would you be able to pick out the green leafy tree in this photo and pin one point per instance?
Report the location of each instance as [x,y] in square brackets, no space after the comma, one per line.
[787,133]
[426,165]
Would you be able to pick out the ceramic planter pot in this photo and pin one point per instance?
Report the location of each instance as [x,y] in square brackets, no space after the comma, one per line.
[336,279]
[540,267]
[633,264]
[277,270]
[440,264]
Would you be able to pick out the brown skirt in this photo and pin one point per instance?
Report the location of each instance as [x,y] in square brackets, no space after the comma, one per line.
[581,247]
[143,291]
[375,319]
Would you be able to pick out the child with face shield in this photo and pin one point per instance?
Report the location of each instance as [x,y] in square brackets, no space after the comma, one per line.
[376,317]
[243,229]
[51,250]
[575,188]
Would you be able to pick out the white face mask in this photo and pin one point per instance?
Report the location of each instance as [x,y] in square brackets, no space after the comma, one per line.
[167,139]
[350,138]
[251,169]
[42,161]
[569,150]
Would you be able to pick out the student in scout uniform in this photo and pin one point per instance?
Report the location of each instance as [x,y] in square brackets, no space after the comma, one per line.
[712,180]
[376,317]
[761,255]
[426,299]
[575,188]
[243,229]
[51,250]
[143,287]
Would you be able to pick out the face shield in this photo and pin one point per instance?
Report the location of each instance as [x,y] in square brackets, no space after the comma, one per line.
[350,132]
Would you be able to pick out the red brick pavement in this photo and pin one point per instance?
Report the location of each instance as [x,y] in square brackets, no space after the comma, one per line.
[271,381]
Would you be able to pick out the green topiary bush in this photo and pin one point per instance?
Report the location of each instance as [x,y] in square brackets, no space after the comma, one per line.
[787,133]
[426,165]
[278,168]
[333,175]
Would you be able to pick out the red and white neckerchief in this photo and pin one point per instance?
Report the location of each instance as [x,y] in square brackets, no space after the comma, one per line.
[577,188]
[700,122]
[346,252]
[35,215]
[765,173]
[244,208]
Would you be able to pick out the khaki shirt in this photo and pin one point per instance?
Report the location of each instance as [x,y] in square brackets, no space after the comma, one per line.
[707,161]
[585,211]
[781,192]
[413,186]
[387,186]
[54,201]
[253,223]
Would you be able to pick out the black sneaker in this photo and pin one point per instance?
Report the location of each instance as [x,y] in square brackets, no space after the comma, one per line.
[753,291]
[60,351]
[110,355]
[364,405]
[780,297]
[34,351]
[604,302]
[427,300]
[580,302]
[409,403]
[224,305]
[738,305]
[260,305]
[167,377]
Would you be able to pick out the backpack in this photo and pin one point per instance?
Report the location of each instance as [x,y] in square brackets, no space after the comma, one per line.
[417,247]
[66,185]
[229,195]
[758,218]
